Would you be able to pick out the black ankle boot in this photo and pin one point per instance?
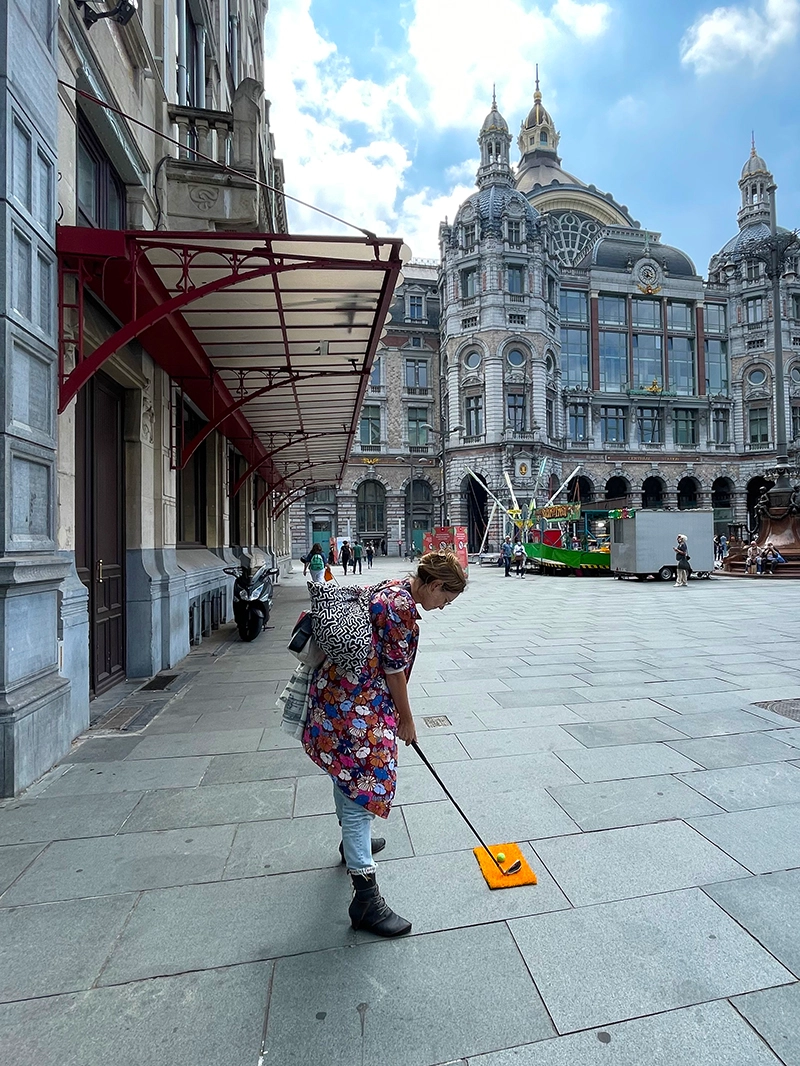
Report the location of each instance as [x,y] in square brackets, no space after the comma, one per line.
[370,911]
[378,844]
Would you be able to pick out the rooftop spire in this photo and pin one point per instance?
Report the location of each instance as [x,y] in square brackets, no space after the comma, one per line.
[537,77]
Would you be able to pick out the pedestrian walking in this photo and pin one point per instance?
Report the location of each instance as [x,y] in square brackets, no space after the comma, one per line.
[519,559]
[383,547]
[723,547]
[316,564]
[344,556]
[331,556]
[717,551]
[681,561]
[354,724]
[507,551]
[358,552]
[370,554]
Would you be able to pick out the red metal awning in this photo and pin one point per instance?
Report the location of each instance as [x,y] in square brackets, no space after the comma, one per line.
[271,336]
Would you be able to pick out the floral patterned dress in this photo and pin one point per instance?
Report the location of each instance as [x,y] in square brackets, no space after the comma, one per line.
[351,726]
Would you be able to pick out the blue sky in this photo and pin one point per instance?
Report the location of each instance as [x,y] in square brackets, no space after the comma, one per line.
[376,106]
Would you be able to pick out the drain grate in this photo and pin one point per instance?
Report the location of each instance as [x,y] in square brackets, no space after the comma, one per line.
[159,682]
[437,720]
[788,708]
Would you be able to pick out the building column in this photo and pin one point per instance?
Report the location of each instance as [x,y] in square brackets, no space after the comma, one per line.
[37,718]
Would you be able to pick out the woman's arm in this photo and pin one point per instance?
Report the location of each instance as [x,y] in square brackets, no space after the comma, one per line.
[398,688]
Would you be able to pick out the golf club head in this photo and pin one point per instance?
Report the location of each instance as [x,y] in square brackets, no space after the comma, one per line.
[514,868]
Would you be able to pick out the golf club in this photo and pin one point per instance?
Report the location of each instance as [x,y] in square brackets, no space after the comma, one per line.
[515,867]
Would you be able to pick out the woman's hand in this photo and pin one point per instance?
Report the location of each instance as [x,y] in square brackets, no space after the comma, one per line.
[407,730]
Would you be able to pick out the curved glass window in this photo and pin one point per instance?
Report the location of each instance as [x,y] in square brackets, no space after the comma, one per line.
[516,357]
[794,374]
[757,376]
[472,361]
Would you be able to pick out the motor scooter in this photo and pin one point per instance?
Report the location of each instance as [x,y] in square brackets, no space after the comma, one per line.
[252,598]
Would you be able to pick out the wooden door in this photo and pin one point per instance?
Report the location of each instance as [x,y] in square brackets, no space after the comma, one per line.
[100,528]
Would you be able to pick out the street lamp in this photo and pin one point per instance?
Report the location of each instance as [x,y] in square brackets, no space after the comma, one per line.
[443,434]
[773,252]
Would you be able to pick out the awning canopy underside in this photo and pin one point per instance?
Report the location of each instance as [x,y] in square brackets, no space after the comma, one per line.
[272,337]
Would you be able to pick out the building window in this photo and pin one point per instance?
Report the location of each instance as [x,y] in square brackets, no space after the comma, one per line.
[715,318]
[720,425]
[469,283]
[575,358]
[685,426]
[370,428]
[646,314]
[417,374]
[550,416]
[650,425]
[234,472]
[716,366]
[474,409]
[320,496]
[515,234]
[515,411]
[416,307]
[612,424]
[191,486]
[613,361]
[647,363]
[755,310]
[516,279]
[470,233]
[754,270]
[612,310]
[758,425]
[371,507]
[573,306]
[516,320]
[472,360]
[516,358]
[679,317]
[100,192]
[417,426]
[375,376]
[796,305]
[416,342]
[578,423]
[681,366]
[795,422]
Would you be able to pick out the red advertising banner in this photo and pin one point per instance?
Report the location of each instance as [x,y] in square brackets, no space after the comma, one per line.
[427,542]
[442,538]
[460,541]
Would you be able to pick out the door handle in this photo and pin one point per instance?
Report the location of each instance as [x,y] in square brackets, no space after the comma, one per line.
[99,571]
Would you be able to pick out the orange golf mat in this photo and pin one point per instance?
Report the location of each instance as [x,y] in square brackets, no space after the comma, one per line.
[495,879]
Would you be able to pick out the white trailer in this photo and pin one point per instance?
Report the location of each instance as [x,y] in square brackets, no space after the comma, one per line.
[644,545]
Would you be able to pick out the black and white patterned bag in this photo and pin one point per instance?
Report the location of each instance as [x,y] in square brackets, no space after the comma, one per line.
[341,623]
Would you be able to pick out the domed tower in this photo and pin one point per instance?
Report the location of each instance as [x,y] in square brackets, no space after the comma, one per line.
[538,132]
[497,324]
[755,184]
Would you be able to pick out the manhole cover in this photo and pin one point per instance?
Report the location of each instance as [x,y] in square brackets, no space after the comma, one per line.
[160,681]
[437,720]
[788,708]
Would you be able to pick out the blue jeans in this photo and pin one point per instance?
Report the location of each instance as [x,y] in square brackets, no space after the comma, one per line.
[356,823]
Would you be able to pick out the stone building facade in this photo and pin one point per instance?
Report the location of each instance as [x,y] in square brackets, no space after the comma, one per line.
[113,556]
[572,337]
[396,458]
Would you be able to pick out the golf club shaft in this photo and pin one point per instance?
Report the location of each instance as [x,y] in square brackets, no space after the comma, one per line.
[446,791]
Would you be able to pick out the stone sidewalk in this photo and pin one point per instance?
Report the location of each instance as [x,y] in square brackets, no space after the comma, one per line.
[174,897]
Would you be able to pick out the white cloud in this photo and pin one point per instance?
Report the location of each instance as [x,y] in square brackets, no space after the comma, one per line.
[729,35]
[338,133]
[457,67]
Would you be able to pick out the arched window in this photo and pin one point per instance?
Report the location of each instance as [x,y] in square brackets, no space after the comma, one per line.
[585,490]
[371,508]
[618,488]
[687,494]
[653,492]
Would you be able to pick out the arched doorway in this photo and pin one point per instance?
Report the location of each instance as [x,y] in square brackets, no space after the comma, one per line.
[722,502]
[653,492]
[584,490]
[320,517]
[688,494]
[477,515]
[756,487]
[618,489]
[371,511]
[419,512]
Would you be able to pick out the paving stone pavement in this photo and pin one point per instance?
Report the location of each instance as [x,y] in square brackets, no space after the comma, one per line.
[174,896]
